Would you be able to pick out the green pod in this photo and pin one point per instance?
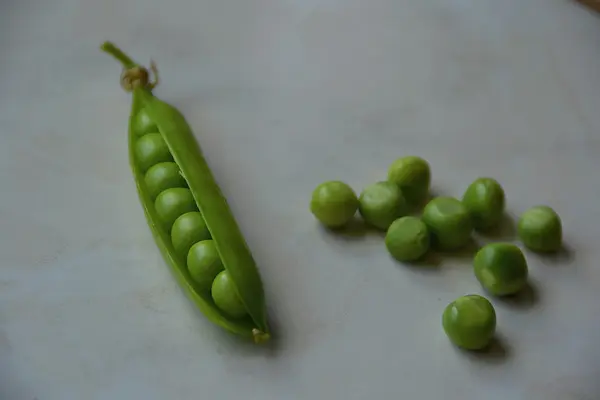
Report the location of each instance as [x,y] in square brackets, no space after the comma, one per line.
[229,242]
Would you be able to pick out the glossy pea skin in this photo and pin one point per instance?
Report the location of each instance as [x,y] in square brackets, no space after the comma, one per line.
[413,175]
[501,268]
[204,264]
[540,229]
[470,322]
[382,203]
[172,203]
[407,239]
[188,229]
[225,296]
[485,200]
[163,176]
[449,223]
[334,203]
[142,123]
[151,149]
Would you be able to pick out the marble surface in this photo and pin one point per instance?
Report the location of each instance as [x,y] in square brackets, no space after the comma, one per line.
[284,94]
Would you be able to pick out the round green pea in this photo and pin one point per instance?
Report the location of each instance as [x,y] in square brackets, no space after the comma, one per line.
[225,296]
[470,322]
[413,175]
[485,199]
[449,223]
[188,229]
[172,203]
[151,149]
[142,123]
[540,229]
[204,264]
[501,268]
[334,203]
[407,239]
[163,176]
[382,203]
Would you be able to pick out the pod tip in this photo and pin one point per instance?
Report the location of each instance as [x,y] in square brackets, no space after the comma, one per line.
[260,336]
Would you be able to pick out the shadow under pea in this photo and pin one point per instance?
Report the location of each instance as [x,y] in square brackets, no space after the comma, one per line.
[496,352]
[505,230]
[527,298]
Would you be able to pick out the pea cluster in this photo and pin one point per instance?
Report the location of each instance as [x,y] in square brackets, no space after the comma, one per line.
[445,224]
[187,213]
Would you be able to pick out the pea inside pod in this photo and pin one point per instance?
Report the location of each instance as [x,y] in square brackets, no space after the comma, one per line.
[185,207]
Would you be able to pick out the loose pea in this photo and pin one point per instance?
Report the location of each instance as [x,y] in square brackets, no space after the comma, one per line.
[381,204]
[501,268]
[449,223]
[407,239]
[470,322]
[151,149]
[204,264]
[540,229]
[225,296]
[334,203]
[172,203]
[413,175]
[188,229]
[485,199]
[143,124]
[163,176]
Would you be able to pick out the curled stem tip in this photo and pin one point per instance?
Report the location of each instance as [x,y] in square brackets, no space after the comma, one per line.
[133,75]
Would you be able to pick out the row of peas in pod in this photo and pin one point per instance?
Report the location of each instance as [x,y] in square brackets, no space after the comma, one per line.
[446,224]
[178,212]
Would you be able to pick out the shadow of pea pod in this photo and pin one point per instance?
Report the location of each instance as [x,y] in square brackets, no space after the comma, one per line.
[525,299]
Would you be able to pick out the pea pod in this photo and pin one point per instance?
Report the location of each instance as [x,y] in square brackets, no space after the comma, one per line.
[154,123]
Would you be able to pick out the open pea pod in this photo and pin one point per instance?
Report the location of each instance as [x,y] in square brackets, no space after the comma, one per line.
[160,140]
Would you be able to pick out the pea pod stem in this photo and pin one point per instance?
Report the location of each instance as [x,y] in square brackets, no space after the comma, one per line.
[117,53]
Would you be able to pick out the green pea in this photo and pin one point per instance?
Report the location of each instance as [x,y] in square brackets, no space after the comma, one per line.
[142,123]
[188,229]
[413,175]
[501,268]
[163,176]
[381,204]
[470,322]
[204,264]
[485,199]
[334,203]
[225,296]
[172,203]
[407,239]
[540,229]
[449,223]
[151,149]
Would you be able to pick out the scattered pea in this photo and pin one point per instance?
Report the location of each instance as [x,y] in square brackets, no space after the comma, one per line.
[407,239]
[334,203]
[163,176]
[382,203]
[501,268]
[485,199]
[449,223]
[540,229]
[225,296]
[172,203]
[204,264]
[470,322]
[413,175]
[188,229]
[151,149]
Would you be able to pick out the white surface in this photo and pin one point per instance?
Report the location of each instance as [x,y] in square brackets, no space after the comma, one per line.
[293,93]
